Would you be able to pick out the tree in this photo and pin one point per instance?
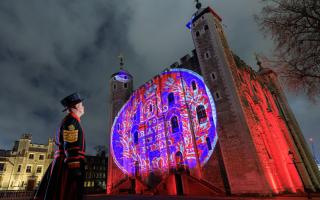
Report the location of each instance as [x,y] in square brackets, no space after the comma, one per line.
[294,26]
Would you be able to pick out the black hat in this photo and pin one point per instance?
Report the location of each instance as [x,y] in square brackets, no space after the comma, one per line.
[71,100]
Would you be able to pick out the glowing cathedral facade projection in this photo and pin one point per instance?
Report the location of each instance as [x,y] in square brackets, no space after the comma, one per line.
[168,123]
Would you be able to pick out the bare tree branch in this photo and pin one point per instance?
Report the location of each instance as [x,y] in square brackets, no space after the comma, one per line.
[294,25]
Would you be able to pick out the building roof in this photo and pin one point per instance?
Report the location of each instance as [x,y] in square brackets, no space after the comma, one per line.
[203,11]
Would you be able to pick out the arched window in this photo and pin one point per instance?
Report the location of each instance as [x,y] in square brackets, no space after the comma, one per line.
[194,86]
[201,114]
[209,143]
[136,168]
[136,138]
[170,99]
[174,124]
[179,161]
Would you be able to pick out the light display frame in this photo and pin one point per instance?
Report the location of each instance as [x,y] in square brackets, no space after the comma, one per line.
[142,137]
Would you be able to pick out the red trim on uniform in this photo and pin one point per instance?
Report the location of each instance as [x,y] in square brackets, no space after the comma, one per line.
[74,164]
[75,116]
[74,158]
[83,145]
[71,148]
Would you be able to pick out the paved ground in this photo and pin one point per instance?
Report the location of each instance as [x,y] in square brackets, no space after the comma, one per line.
[139,197]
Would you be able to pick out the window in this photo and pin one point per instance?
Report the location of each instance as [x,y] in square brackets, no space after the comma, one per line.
[201,114]
[209,143]
[28,169]
[170,99]
[207,55]
[39,169]
[197,33]
[136,168]
[206,27]
[125,85]
[136,137]
[41,157]
[114,86]
[217,95]
[19,168]
[240,77]
[254,88]
[2,169]
[213,76]
[194,86]
[31,156]
[179,160]
[174,124]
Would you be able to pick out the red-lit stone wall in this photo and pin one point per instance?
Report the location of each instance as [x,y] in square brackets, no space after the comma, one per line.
[268,130]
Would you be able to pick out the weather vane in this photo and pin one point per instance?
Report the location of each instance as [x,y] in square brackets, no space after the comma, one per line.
[198,5]
[121,61]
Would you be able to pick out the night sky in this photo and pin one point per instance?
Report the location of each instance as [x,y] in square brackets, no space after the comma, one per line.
[49,49]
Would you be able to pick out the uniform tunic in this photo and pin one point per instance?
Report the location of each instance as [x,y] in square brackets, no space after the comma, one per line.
[64,177]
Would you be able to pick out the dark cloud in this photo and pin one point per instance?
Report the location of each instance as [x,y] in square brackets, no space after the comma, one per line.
[53,48]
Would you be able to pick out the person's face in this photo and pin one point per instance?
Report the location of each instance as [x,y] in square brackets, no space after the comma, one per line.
[80,108]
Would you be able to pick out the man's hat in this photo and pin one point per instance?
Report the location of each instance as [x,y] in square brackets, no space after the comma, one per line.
[71,100]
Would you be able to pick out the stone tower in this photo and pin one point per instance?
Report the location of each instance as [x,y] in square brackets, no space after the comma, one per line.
[256,142]
[121,87]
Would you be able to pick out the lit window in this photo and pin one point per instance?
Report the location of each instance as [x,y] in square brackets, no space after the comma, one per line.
[39,169]
[201,114]
[209,143]
[19,168]
[41,157]
[136,138]
[28,169]
[194,86]
[31,156]
[170,99]
[174,124]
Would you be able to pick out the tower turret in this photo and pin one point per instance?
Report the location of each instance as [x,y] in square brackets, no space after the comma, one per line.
[121,87]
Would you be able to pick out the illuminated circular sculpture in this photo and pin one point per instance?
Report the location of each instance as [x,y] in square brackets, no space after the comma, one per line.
[169,121]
